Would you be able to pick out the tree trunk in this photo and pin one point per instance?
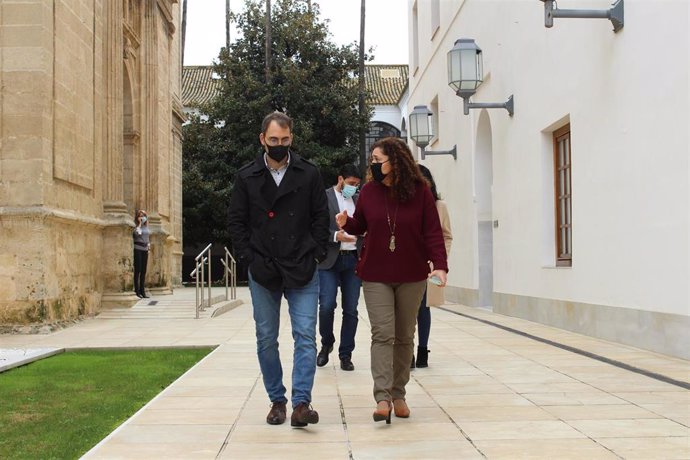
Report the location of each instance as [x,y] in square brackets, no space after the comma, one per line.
[227,25]
[362,107]
[268,42]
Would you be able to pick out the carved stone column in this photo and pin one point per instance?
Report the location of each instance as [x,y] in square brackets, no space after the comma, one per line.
[117,232]
[113,201]
[158,275]
[150,108]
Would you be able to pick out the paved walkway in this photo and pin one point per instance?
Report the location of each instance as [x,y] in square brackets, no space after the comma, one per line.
[490,392]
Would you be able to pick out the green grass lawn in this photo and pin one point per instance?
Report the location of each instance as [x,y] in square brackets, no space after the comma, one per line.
[62,406]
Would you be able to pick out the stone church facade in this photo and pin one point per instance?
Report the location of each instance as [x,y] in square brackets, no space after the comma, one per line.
[90,131]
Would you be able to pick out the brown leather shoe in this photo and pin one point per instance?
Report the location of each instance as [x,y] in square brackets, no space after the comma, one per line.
[400,408]
[277,414]
[303,414]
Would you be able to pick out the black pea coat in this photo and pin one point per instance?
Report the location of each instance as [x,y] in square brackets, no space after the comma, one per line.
[280,231]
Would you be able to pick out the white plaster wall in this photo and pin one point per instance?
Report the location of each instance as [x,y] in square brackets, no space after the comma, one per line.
[626,95]
[390,114]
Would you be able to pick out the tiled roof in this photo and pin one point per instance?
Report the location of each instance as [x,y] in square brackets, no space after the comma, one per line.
[198,85]
[385,84]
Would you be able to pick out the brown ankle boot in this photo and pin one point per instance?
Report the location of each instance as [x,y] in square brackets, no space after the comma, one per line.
[277,414]
[303,415]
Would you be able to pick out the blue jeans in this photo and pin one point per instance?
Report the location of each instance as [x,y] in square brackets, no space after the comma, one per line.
[302,306]
[341,274]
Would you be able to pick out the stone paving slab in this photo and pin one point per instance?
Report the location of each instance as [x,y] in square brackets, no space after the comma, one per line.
[15,357]
[488,393]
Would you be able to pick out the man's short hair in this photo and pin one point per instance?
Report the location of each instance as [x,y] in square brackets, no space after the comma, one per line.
[279,117]
[349,170]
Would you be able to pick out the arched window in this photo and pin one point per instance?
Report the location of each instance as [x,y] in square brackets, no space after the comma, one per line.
[379,130]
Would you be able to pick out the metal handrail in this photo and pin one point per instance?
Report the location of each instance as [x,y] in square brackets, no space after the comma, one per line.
[230,275]
[203,251]
[203,268]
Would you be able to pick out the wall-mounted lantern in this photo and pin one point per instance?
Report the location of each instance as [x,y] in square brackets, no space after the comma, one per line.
[421,129]
[465,74]
[614,14]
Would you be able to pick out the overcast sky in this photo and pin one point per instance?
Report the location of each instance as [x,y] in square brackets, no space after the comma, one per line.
[386,27]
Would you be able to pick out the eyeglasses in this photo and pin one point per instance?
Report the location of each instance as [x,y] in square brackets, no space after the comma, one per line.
[274,141]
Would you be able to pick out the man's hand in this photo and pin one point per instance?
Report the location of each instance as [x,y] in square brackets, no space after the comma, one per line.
[341,219]
[344,237]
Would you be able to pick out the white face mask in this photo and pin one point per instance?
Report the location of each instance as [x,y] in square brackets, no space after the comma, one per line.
[143,219]
[349,191]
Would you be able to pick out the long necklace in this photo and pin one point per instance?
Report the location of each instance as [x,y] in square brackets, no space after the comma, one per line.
[391,242]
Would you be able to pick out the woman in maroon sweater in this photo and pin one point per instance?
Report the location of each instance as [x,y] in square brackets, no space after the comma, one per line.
[403,246]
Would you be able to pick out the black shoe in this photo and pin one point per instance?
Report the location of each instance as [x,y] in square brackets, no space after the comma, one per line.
[277,414]
[422,357]
[303,415]
[346,364]
[144,296]
[322,357]
[139,295]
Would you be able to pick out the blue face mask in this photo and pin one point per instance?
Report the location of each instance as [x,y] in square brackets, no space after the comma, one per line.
[349,191]
[143,219]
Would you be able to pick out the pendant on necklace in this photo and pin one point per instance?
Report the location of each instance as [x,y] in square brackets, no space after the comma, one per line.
[391,244]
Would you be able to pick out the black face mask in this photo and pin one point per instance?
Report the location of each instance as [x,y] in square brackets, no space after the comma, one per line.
[376,172]
[277,152]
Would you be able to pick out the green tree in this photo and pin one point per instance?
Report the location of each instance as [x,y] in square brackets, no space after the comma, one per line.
[206,170]
[312,79]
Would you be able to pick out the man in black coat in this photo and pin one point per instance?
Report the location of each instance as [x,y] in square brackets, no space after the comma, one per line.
[279,226]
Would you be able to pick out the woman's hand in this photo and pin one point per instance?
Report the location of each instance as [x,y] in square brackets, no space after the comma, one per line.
[440,274]
[341,219]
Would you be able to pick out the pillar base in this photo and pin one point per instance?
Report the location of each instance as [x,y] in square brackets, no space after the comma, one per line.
[162,290]
[115,207]
[118,300]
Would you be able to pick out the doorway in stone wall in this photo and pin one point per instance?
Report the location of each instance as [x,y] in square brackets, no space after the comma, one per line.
[483,170]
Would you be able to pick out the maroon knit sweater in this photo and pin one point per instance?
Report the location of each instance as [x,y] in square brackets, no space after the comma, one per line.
[418,235]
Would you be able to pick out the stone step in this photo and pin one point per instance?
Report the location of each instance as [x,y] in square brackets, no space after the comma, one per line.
[170,309]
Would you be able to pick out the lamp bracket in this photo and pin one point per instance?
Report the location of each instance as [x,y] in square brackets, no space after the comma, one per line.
[453,152]
[614,14]
[509,105]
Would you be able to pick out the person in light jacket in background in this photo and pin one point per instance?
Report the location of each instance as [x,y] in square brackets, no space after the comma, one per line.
[434,294]
[142,246]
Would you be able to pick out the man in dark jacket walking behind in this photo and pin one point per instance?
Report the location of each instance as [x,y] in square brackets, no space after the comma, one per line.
[279,227]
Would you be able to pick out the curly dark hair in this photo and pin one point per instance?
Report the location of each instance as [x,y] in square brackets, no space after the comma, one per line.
[404,171]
